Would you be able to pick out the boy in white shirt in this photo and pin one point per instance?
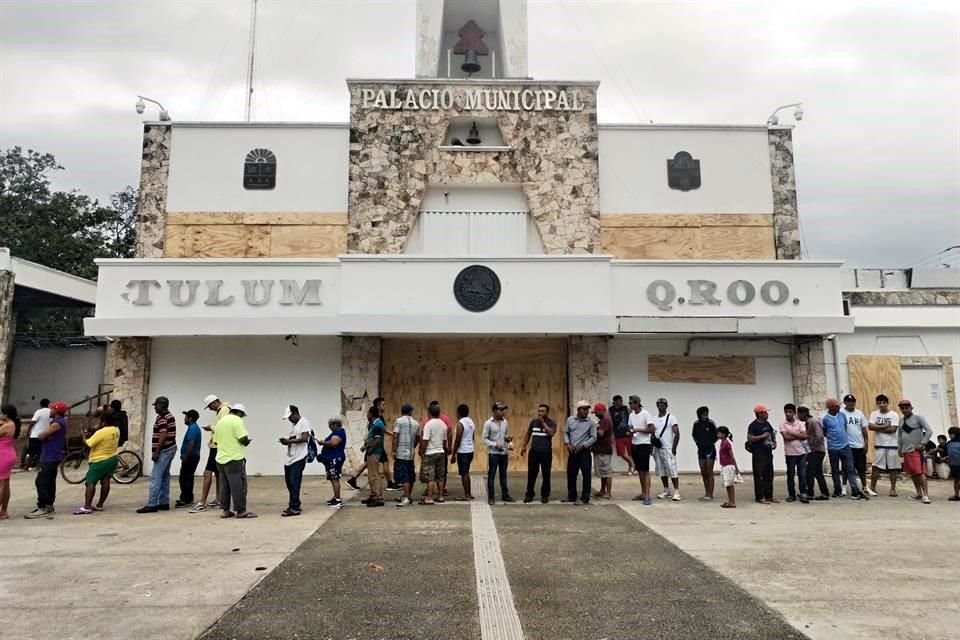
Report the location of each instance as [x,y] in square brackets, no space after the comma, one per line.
[857,433]
[884,423]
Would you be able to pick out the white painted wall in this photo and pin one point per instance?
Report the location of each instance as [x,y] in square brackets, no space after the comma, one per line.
[898,341]
[730,405]
[68,374]
[206,168]
[734,169]
[264,373]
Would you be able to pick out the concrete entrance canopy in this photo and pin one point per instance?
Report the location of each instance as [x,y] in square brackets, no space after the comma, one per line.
[40,286]
[415,295]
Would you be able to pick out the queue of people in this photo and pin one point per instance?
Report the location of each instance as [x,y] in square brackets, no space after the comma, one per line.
[902,444]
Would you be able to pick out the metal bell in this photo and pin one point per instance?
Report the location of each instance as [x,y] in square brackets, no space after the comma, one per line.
[471,62]
[474,136]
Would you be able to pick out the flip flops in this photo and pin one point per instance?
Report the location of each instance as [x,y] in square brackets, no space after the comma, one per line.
[286,513]
[82,511]
[228,514]
[246,515]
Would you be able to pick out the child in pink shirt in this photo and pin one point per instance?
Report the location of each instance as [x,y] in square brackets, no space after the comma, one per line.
[728,467]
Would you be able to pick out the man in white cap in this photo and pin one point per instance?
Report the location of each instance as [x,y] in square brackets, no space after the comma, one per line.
[579,434]
[296,442]
[211,474]
[232,441]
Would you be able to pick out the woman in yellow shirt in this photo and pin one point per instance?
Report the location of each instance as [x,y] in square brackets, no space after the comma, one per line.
[103,443]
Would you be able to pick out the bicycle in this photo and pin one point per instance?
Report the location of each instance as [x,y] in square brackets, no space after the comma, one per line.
[74,467]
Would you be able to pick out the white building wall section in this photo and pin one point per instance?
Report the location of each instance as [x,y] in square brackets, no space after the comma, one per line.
[68,374]
[898,341]
[730,405]
[206,168]
[263,373]
[734,169]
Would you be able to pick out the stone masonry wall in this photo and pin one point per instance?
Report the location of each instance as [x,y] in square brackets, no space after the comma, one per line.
[152,202]
[359,385]
[7,330]
[127,367]
[588,358]
[786,220]
[808,369]
[395,155]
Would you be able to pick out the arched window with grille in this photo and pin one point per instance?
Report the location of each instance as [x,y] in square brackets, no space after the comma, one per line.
[260,170]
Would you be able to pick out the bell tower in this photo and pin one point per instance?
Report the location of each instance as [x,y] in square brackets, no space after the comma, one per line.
[476,39]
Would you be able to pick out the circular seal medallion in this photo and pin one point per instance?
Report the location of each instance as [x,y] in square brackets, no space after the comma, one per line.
[477,288]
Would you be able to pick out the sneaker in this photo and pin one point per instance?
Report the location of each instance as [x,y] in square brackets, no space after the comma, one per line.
[676,497]
[507,499]
[147,509]
[568,500]
[179,504]
[215,504]
[405,502]
[365,501]
[375,503]
[870,492]
[198,508]
[647,501]
[791,499]
[528,500]
[163,507]
[353,483]
[39,512]
[546,500]
[822,497]
[335,503]
[954,499]
[393,487]
[804,500]
[926,500]
[491,501]
[843,492]
[664,496]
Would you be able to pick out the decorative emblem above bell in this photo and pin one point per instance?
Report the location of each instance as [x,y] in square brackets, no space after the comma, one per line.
[474,135]
[471,46]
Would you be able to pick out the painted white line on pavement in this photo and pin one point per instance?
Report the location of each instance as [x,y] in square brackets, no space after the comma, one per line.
[498,616]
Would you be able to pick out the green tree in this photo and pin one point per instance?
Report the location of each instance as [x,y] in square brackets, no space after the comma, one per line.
[59,229]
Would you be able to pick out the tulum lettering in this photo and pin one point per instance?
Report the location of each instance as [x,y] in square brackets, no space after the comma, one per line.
[663,294]
[256,293]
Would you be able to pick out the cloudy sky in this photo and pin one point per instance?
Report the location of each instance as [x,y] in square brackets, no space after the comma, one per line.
[878,153]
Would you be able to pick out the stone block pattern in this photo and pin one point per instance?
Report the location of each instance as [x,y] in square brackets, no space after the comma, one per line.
[394,155]
[786,220]
[588,369]
[912,297]
[359,372]
[808,369]
[152,203]
[127,367]
[7,330]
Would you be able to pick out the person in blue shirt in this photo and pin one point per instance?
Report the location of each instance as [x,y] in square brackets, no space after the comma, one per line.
[953,459]
[332,456]
[838,448]
[189,457]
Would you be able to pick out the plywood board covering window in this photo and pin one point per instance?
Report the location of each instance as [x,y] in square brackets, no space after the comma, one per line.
[522,372]
[702,369]
[651,236]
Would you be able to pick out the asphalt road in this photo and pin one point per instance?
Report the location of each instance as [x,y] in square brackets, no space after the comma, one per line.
[577,573]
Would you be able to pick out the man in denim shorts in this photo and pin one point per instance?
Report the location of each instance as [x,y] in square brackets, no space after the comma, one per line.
[405,440]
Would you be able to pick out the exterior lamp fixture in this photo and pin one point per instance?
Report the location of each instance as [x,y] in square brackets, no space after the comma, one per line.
[773,120]
[141,107]
[474,135]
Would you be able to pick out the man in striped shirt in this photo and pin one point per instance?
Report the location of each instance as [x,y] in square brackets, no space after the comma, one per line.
[164,447]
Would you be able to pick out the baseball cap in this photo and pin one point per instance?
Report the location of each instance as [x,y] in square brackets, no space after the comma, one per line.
[761,408]
[500,406]
[290,410]
[191,414]
[904,403]
[406,409]
[636,399]
[239,407]
[662,401]
[599,407]
[803,409]
[209,400]
[59,407]
[849,398]
[582,404]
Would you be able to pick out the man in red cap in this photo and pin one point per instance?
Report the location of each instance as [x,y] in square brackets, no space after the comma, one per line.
[762,441]
[54,440]
[603,451]
[915,433]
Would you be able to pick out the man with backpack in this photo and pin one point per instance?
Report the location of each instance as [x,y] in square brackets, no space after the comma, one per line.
[298,443]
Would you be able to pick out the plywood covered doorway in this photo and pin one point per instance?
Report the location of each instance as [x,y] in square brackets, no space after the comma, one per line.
[522,372]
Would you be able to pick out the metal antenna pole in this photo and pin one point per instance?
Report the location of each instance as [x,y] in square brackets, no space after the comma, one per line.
[252,46]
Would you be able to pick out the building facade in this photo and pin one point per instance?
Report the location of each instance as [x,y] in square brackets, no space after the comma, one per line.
[468,239]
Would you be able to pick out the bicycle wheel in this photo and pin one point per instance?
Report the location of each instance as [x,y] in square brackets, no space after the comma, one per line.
[74,467]
[129,467]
